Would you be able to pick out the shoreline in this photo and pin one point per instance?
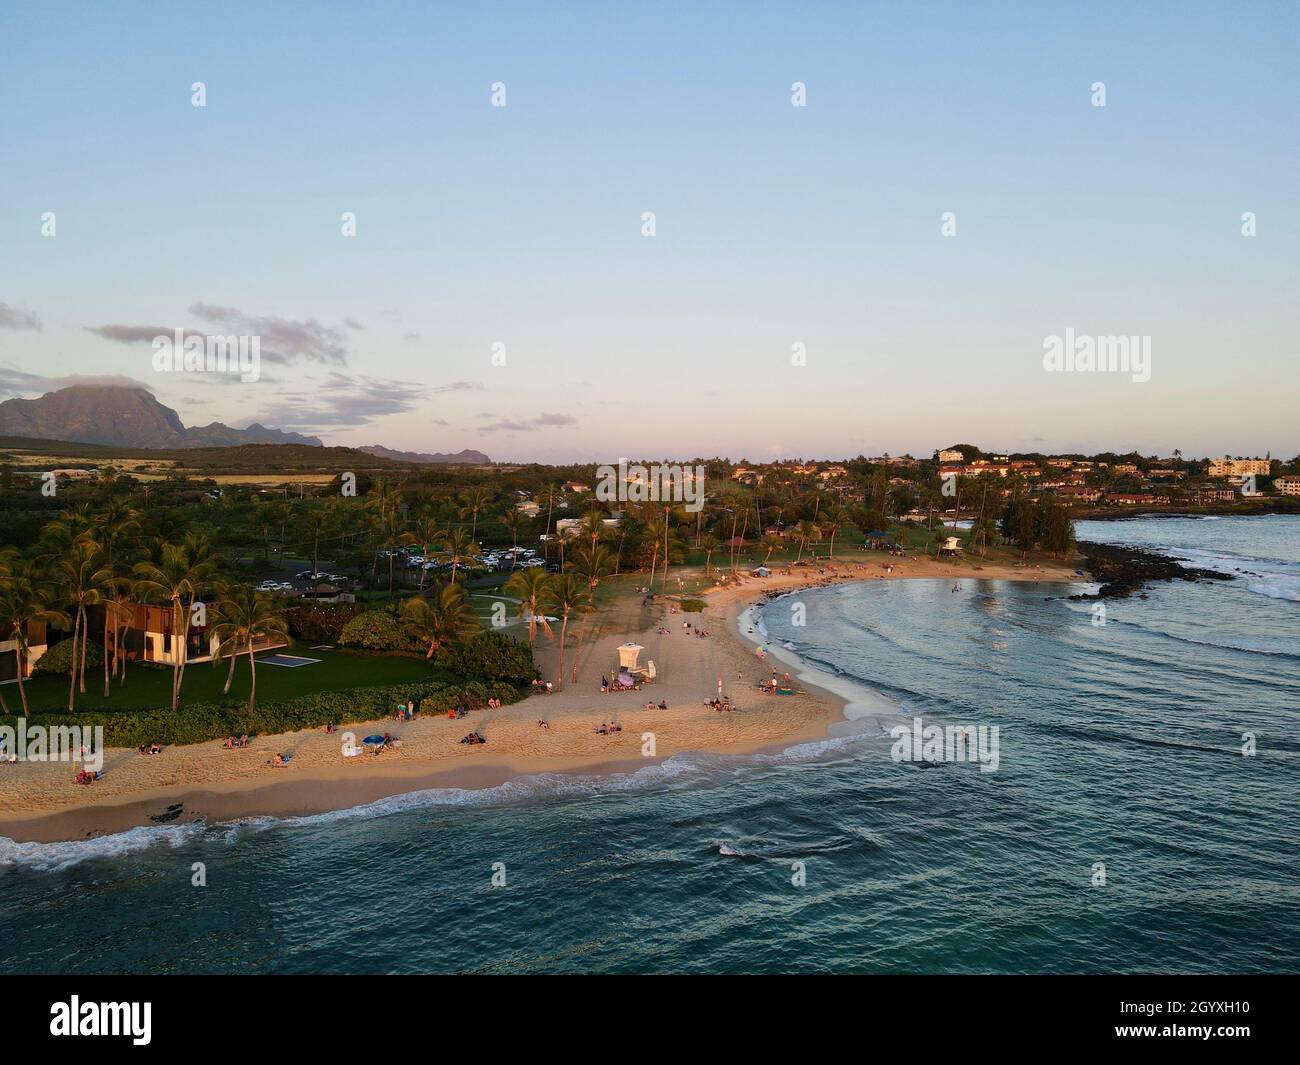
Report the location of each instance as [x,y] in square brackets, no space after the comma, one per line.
[216,785]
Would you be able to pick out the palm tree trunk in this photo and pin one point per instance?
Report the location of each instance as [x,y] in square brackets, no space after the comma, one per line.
[252,675]
[72,669]
[564,626]
[234,657]
[85,639]
[107,688]
[22,662]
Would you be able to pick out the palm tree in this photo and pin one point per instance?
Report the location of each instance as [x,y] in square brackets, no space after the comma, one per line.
[24,600]
[591,564]
[118,524]
[443,619]
[549,494]
[81,577]
[427,533]
[565,594]
[656,529]
[837,516]
[459,549]
[592,527]
[514,519]
[805,532]
[177,578]
[710,543]
[530,587]
[393,537]
[773,543]
[243,615]
[314,523]
[476,499]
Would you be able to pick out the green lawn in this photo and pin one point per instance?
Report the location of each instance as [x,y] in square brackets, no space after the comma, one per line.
[148,687]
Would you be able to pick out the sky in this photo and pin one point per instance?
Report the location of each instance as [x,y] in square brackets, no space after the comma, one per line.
[778,229]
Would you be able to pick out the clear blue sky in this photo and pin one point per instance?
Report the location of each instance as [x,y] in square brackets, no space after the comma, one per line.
[775,224]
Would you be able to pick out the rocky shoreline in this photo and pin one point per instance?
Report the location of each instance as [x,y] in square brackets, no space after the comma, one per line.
[1124,571]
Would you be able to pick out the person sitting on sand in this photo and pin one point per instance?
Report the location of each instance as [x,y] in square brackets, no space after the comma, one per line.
[663,704]
[278,760]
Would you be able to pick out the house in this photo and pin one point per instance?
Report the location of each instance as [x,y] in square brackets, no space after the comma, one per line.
[832,472]
[529,509]
[948,455]
[572,526]
[1135,499]
[1081,493]
[152,635]
[576,486]
[36,646]
[1212,493]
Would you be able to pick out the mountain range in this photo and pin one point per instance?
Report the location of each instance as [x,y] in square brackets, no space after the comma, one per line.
[466,457]
[122,416]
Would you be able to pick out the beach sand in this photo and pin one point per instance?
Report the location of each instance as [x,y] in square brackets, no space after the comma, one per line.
[41,801]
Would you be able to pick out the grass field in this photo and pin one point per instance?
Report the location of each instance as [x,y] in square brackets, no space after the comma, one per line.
[149,687]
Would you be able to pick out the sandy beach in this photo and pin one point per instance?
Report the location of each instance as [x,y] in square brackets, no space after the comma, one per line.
[41,801]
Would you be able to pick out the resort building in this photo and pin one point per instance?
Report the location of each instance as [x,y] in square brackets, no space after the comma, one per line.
[1229,467]
[948,455]
[1287,486]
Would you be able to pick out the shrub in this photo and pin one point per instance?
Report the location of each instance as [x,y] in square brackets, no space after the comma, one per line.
[58,659]
[375,630]
[491,655]
[692,606]
[321,622]
[197,722]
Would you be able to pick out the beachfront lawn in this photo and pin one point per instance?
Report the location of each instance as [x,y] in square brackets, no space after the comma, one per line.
[150,687]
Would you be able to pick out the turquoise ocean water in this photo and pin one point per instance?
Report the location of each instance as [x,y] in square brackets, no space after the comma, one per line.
[1120,744]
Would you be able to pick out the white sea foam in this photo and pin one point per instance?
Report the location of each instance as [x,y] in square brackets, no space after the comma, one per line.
[53,857]
[678,770]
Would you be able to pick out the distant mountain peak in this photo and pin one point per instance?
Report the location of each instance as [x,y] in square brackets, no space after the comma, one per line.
[124,416]
[466,457]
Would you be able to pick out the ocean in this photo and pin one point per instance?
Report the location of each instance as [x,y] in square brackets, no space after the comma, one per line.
[1123,830]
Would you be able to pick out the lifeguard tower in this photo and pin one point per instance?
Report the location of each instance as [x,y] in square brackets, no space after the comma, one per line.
[629,662]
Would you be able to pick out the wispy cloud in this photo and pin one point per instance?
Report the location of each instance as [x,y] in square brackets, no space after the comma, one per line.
[544,420]
[341,402]
[16,382]
[12,317]
[283,339]
[135,334]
